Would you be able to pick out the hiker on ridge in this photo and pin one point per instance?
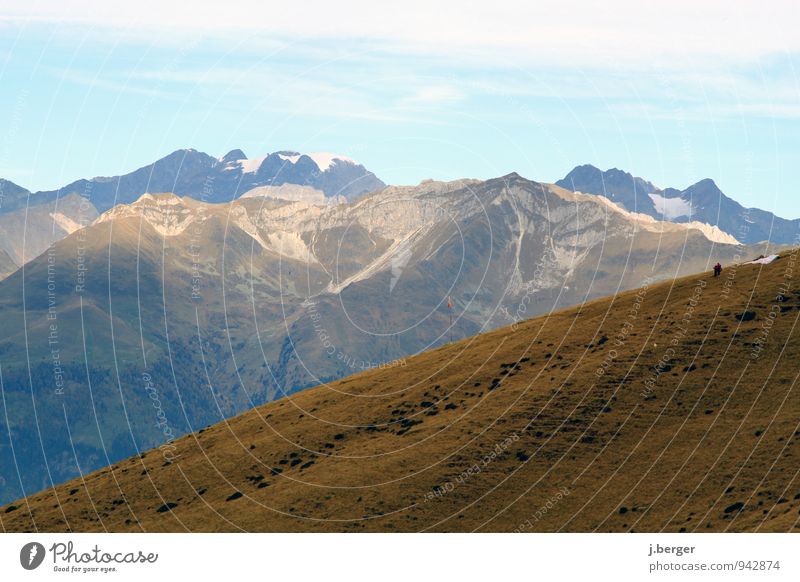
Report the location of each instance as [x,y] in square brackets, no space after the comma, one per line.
[717,270]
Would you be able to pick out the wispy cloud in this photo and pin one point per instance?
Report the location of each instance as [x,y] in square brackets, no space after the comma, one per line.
[349,58]
[626,33]
[434,94]
[105,83]
[509,85]
[267,87]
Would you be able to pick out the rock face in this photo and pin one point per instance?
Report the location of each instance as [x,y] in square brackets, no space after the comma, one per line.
[703,202]
[618,186]
[192,173]
[7,265]
[209,309]
[28,231]
[11,195]
[30,222]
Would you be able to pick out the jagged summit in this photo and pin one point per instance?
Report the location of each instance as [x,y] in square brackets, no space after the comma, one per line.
[189,172]
[705,187]
[232,156]
[701,202]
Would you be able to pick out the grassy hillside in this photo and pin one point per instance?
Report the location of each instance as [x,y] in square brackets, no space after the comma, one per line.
[217,308]
[671,407]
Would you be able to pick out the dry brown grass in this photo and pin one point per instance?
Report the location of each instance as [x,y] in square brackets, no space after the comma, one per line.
[682,457]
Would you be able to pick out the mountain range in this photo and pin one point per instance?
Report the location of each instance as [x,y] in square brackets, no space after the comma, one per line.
[703,202]
[204,177]
[252,279]
[40,218]
[666,408]
[31,221]
[211,309]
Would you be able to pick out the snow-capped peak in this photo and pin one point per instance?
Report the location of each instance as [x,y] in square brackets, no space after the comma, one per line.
[324,160]
[647,222]
[289,157]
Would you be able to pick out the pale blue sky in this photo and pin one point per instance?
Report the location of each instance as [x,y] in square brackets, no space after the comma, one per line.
[463,90]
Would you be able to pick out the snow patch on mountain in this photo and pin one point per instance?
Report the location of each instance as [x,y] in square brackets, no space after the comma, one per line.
[671,208]
[324,160]
[292,159]
[647,222]
[244,165]
[251,166]
[764,260]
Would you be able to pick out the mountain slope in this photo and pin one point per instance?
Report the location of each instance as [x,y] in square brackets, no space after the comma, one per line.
[703,202]
[28,232]
[11,195]
[7,265]
[667,408]
[192,173]
[29,224]
[221,307]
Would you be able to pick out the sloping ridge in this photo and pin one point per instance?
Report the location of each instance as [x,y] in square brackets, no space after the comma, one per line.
[671,407]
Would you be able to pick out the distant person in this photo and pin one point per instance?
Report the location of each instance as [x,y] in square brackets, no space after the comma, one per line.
[717,270]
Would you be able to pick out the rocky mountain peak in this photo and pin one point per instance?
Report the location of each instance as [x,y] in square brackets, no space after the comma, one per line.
[233,156]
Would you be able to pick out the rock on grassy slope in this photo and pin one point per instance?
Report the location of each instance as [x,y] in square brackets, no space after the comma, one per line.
[667,408]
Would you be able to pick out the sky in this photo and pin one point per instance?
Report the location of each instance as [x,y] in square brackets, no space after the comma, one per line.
[673,92]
